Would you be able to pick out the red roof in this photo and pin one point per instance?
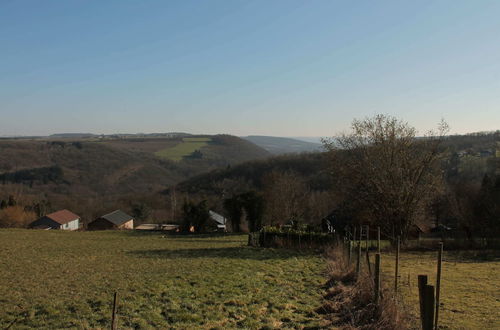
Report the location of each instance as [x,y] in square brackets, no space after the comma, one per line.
[63,216]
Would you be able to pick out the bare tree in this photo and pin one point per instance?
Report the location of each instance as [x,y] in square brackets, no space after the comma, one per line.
[388,172]
[285,195]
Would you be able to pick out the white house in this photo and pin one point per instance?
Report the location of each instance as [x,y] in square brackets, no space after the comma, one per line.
[63,219]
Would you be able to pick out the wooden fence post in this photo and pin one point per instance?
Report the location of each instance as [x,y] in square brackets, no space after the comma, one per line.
[358,261]
[354,233]
[113,313]
[377,277]
[428,323]
[367,248]
[422,282]
[351,239]
[396,271]
[378,239]
[367,228]
[438,282]
[349,253]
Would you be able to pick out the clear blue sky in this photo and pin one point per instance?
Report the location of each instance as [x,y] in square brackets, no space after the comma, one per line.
[286,68]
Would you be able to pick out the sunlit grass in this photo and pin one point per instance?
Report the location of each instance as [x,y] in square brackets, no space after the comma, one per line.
[52,279]
[183,149]
[470,287]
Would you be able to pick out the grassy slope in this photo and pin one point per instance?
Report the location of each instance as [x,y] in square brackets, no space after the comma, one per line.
[66,280]
[184,148]
[470,289]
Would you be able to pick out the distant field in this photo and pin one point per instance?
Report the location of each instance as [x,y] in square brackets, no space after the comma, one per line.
[150,145]
[470,288]
[53,280]
[183,149]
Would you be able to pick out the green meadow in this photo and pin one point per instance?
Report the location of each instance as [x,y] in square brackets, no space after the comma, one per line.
[55,279]
[470,286]
[184,148]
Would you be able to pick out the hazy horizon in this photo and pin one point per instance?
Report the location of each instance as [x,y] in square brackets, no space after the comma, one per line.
[281,68]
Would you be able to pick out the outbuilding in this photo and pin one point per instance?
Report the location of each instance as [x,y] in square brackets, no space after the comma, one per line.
[62,219]
[114,220]
[218,220]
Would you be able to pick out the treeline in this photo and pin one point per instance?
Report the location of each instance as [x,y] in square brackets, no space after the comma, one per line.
[474,141]
[312,167]
[50,174]
[380,174]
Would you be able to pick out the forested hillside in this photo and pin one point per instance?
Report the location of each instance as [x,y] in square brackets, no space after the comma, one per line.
[99,173]
[307,187]
[281,145]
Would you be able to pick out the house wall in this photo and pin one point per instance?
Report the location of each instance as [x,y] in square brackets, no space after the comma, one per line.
[72,225]
[127,225]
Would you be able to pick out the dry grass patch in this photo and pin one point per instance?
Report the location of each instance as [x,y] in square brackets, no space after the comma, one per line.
[350,300]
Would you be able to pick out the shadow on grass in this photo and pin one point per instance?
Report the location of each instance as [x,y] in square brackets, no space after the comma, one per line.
[472,256]
[209,240]
[467,256]
[174,235]
[229,253]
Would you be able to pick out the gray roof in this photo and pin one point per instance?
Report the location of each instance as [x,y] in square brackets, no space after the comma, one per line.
[117,217]
[217,218]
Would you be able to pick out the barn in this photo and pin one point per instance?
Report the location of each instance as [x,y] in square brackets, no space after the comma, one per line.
[114,220]
[62,219]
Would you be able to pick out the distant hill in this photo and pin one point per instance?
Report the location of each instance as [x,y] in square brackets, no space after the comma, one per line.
[72,135]
[112,167]
[312,139]
[282,145]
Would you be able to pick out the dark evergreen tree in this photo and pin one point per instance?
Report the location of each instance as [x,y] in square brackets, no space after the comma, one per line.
[234,208]
[253,204]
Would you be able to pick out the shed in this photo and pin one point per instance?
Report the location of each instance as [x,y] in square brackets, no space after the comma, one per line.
[114,220]
[62,219]
[219,220]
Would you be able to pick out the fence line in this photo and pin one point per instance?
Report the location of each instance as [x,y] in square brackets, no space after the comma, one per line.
[429,295]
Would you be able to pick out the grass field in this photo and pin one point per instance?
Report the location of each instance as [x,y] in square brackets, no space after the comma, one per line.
[470,286]
[54,279]
[183,149]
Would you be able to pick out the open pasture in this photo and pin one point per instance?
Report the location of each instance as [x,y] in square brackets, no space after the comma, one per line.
[53,279]
[184,148]
[146,145]
[470,286]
